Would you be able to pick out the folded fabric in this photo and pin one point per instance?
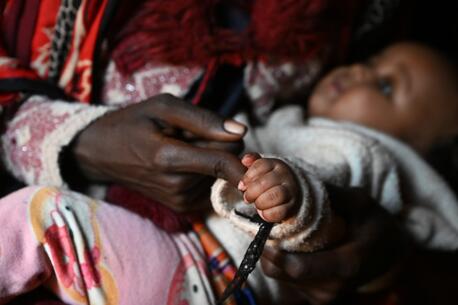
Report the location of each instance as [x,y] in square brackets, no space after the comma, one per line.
[319,152]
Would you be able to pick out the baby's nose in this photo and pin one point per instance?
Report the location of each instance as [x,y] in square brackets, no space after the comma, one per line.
[362,74]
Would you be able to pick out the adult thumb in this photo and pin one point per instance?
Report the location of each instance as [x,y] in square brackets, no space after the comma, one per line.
[201,122]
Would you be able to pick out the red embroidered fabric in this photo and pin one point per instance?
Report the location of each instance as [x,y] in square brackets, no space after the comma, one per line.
[27,57]
[185,32]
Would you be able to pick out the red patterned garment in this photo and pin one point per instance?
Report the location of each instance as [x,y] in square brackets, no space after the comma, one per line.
[28,29]
[56,53]
[47,40]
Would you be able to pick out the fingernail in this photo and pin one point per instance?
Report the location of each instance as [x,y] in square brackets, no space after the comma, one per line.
[248,157]
[234,127]
[244,198]
[241,186]
[261,215]
[246,161]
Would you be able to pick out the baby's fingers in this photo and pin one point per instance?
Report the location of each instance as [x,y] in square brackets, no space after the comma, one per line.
[275,204]
[249,158]
[257,187]
[256,169]
[276,214]
[275,196]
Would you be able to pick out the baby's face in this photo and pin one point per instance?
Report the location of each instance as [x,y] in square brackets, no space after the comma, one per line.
[407,91]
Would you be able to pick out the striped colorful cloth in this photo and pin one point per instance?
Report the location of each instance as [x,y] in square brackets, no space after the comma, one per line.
[221,267]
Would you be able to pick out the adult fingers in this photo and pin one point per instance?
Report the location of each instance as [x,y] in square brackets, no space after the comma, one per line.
[201,122]
[181,202]
[178,183]
[235,147]
[341,262]
[317,291]
[373,246]
[180,157]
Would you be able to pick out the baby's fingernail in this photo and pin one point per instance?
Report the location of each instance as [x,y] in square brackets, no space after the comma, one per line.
[241,186]
[260,214]
[234,127]
[246,161]
[246,156]
[244,198]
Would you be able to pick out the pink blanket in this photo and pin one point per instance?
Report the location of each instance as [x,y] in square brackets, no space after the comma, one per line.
[90,252]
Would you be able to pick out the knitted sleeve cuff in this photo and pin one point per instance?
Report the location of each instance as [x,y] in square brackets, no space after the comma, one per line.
[37,134]
[308,230]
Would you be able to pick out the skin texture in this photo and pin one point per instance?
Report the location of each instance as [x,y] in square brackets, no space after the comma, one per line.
[271,186]
[407,91]
[163,148]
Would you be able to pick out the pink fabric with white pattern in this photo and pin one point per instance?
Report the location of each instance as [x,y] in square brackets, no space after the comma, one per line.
[90,252]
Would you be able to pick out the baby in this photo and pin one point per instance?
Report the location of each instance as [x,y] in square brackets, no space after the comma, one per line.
[91,252]
[406,95]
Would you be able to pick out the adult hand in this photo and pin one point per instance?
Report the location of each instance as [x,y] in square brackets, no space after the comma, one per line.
[162,148]
[373,245]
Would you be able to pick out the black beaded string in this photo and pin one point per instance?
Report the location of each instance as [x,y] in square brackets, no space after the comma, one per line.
[61,41]
[252,255]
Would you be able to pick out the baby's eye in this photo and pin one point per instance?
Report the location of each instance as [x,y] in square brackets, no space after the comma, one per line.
[385,86]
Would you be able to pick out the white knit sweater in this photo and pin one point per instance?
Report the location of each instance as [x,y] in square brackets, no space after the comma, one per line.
[322,151]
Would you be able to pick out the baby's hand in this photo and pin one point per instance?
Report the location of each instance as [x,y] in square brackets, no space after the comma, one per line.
[271,185]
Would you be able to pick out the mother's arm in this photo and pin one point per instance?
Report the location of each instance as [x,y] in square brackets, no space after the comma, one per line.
[146,146]
[163,148]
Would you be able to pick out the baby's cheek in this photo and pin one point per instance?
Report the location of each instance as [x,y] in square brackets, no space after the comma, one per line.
[360,106]
[319,105]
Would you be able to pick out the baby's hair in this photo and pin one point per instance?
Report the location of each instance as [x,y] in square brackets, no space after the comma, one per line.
[444,159]
[452,62]
[444,156]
